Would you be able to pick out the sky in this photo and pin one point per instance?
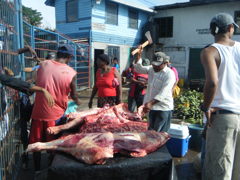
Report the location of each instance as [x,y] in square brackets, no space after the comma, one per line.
[48,13]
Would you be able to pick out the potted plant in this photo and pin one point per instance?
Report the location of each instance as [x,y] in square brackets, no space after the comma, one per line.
[187,108]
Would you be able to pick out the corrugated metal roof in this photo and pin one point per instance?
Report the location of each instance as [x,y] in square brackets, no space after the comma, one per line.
[191,3]
[50,2]
[134,4]
[140,4]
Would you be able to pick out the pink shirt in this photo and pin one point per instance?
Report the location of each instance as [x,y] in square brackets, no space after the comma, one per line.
[55,77]
[175,72]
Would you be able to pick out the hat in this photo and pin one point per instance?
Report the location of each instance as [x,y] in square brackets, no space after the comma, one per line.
[159,58]
[67,49]
[223,20]
[167,59]
[145,62]
[51,55]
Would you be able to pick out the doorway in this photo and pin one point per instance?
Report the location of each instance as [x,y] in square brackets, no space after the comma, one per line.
[195,70]
[97,52]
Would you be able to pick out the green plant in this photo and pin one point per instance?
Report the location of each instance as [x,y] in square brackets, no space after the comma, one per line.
[187,106]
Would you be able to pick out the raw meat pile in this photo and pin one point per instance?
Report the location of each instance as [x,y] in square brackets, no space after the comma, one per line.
[108,119]
[95,148]
[103,132]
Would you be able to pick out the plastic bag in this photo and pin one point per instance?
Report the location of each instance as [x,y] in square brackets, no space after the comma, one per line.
[115,82]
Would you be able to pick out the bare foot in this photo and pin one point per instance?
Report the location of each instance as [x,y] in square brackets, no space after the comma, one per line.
[35,147]
[8,71]
[53,130]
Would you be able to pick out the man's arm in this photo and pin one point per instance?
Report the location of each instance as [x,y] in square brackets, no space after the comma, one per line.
[208,60]
[73,93]
[134,80]
[138,67]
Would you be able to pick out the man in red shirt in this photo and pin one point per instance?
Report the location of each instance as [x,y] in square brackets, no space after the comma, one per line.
[59,80]
[137,88]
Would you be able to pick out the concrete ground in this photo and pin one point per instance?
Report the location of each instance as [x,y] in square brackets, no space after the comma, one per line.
[186,167]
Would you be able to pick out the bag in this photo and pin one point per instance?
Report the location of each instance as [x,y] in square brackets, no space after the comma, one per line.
[115,82]
[176,91]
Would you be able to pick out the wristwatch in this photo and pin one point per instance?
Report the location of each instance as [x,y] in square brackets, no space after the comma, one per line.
[204,109]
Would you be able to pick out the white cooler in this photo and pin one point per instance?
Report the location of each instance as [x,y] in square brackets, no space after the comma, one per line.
[178,144]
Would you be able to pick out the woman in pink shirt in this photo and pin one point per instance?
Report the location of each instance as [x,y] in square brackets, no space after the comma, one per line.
[175,89]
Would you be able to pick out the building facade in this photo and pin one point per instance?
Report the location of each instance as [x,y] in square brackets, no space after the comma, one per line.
[110,26]
[182,30]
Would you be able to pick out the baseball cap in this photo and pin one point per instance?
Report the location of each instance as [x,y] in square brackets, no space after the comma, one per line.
[145,62]
[51,55]
[67,49]
[159,58]
[167,59]
[223,20]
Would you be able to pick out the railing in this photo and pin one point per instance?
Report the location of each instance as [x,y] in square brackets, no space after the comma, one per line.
[14,34]
[10,37]
[44,41]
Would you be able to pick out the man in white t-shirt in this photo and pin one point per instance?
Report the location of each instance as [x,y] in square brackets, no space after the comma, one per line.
[221,62]
[158,100]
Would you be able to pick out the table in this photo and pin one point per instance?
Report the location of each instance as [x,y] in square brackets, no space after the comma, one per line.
[157,165]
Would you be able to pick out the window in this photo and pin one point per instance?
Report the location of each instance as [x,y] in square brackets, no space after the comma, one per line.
[165,27]
[133,19]
[113,51]
[72,11]
[237,20]
[111,13]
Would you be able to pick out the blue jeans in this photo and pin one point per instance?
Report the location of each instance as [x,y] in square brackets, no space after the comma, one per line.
[131,104]
[159,120]
[62,120]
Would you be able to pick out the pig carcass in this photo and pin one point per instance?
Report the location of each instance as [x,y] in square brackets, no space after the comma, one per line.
[95,148]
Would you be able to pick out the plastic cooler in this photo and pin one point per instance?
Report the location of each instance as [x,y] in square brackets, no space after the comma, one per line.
[178,144]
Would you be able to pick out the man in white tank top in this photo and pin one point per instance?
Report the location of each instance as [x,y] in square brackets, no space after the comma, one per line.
[221,62]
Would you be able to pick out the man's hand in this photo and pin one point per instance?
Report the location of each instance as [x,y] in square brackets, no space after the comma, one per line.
[208,116]
[49,98]
[77,101]
[147,107]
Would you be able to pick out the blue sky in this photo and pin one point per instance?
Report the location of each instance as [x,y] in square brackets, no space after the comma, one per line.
[48,13]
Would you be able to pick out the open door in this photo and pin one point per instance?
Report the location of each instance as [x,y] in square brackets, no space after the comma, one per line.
[97,52]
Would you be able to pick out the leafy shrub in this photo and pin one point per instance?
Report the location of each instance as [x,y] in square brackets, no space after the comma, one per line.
[187,106]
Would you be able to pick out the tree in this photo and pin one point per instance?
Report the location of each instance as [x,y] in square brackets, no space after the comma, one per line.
[32,16]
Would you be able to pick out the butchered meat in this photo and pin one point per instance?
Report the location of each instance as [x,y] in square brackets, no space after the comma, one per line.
[95,148]
[91,148]
[118,114]
[130,126]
